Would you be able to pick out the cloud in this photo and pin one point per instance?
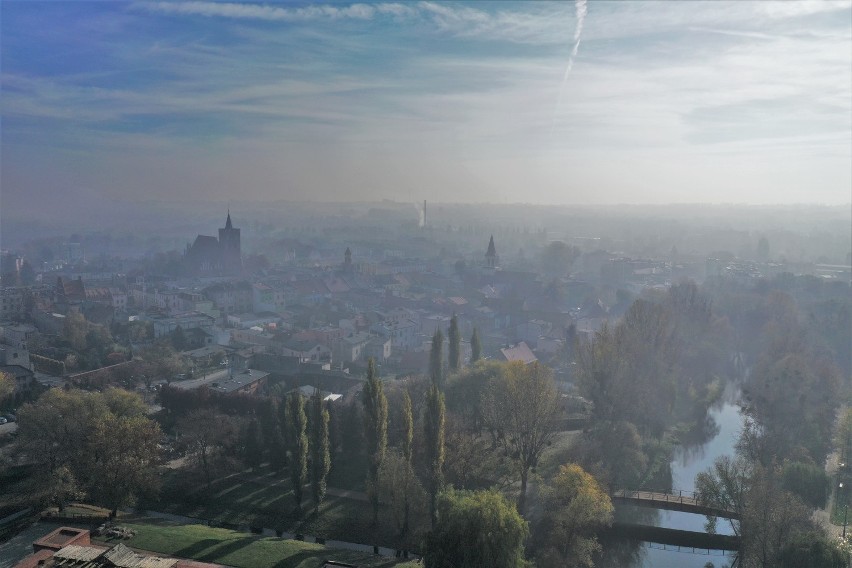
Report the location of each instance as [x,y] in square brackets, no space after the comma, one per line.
[468,84]
[265,12]
[248,11]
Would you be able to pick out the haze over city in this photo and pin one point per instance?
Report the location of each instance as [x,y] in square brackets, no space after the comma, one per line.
[427,284]
[565,103]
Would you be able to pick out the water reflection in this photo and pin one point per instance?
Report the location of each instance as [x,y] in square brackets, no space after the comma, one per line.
[716,435]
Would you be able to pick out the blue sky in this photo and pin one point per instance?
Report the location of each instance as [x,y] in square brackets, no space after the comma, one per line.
[747,102]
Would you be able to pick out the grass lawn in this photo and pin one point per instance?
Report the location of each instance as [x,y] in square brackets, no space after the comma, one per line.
[241,550]
[260,499]
[838,510]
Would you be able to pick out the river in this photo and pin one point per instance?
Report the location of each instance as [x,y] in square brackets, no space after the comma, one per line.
[688,461]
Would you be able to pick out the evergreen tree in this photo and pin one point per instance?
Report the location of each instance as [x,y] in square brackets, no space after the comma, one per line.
[320,454]
[253,448]
[268,421]
[454,337]
[433,425]
[475,347]
[407,426]
[407,444]
[178,339]
[277,450]
[298,446]
[376,428]
[436,359]
[284,425]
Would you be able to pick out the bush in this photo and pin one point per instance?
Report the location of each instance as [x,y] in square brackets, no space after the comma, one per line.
[808,481]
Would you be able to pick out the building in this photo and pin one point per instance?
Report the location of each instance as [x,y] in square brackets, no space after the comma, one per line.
[191,320]
[492,260]
[69,294]
[209,255]
[351,348]
[231,297]
[266,298]
[404,335]
[72,548]
[520,352]
[12,303]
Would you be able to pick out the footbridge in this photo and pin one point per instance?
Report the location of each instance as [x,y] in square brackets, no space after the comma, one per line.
[685,501]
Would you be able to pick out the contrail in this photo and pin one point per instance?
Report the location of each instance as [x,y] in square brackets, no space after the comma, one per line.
[580,9]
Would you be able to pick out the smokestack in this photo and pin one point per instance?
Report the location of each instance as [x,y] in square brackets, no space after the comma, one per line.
[424,213]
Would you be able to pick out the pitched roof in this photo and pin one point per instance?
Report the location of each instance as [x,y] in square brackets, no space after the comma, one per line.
[520,352]
[121,556]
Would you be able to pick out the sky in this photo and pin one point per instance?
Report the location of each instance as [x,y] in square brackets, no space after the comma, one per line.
[114,103]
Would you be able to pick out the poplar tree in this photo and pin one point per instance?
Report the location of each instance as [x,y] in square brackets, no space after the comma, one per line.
[407,444]
[298,446]
[253,448]
[407,426]
[436,360]
[454,338]
[475,347]
[376,427]
[320,454]
[433,425]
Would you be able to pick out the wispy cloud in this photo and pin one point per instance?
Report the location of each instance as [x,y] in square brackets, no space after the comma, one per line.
[404,86]
[265,12]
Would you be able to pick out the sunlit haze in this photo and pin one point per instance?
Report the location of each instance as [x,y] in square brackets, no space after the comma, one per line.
[564,103]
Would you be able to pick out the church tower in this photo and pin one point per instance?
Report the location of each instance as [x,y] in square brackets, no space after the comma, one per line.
[229,243]
[347,260]
[492,260]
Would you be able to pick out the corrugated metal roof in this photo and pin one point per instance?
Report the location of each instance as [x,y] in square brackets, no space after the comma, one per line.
[78,553]
[123,557]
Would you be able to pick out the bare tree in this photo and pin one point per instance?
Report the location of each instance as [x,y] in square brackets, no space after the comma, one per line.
[520,407]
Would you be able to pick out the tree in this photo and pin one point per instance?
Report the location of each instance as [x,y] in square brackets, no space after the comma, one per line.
[320,453]
[436,359]
[253,448]
[433,426]
[126,459]
[376,429]
[454,338]
[205,433]
[74,330]
[771,518]
[476,529]
[407,427]
[62,487]
[105,440]
[298,445]
[407,447]
[475,347]
[7,385]
[575,507]
[179,341]
[520,407]
[401,489]
[812,550]
[725,486]
[557,258]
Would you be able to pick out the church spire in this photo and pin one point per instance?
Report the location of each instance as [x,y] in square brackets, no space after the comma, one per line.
[228,220]
[491,258]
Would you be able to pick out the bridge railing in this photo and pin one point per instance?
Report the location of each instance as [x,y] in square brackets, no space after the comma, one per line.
[676,496]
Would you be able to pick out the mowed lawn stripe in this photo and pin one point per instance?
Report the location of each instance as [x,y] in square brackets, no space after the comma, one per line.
[240,550]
